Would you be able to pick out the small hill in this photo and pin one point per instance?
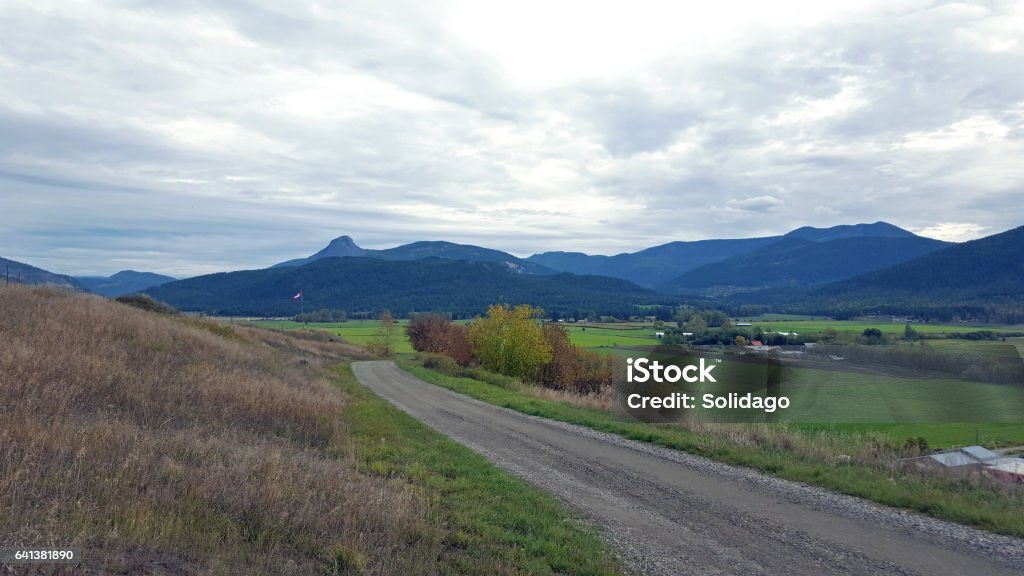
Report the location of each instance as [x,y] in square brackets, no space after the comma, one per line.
[20,272]
[344,246]
[452,251]
[372,284]
[876,230]
[124,282]
[984,276]
[796,263]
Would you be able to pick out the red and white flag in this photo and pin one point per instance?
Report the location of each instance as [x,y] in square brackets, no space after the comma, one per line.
[297,296]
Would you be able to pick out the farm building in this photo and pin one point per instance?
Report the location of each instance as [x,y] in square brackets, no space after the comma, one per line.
[1007,469]
[969,456]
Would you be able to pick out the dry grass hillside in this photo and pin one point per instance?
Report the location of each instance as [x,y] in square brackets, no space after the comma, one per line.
[166,445]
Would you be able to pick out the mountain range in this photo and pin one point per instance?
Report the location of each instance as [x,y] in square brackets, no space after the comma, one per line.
[967,278]
[840,270]
[661,265]
[797,264]
[124,282]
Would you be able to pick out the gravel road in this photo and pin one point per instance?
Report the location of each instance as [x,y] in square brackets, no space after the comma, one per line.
[668,512]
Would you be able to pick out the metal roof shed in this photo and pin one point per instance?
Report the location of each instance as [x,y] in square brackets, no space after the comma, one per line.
[1006,468]
[953,459]
[980,453]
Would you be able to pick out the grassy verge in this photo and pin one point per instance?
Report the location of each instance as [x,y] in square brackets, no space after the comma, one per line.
[493,523]
[971,501]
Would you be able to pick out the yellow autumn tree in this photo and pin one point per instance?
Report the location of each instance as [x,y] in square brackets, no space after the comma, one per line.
[385,340]
[510,341]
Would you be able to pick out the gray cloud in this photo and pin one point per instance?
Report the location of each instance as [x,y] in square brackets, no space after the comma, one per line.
[192,137]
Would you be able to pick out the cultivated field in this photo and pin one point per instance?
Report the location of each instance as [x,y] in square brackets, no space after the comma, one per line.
[779,323]
[851,397]
[359,332]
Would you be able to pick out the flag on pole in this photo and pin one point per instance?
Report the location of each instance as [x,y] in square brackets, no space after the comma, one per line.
[297,296]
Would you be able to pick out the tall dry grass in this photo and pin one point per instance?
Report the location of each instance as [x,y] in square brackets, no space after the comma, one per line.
[168,445]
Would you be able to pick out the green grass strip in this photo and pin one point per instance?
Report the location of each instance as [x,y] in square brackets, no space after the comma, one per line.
[491,522]
[949,499]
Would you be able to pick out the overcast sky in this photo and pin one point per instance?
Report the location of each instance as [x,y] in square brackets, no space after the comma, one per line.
[191,137]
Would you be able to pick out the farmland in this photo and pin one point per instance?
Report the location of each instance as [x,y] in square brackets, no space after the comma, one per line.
[839,396]
[359,332]
[605,336]
[807,324]
[867,402]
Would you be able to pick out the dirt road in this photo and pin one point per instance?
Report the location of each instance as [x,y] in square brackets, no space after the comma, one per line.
[668,512]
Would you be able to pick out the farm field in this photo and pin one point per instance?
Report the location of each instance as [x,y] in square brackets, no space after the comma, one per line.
[853,397]
[858,326]
[605,337]
[611,335]
[939,436]
[1011,348]
[596,336]
[358,332]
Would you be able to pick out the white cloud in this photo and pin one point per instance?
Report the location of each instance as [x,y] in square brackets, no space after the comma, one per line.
[133,133]
[954,231]
[763,203]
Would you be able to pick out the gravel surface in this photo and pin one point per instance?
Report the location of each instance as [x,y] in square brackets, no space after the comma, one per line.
[668,512]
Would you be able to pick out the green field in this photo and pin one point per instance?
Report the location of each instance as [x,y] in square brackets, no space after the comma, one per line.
[612,335]
[1011,348]
[770,323]
[602,337]
[939,436]
[827,396]
[358,332]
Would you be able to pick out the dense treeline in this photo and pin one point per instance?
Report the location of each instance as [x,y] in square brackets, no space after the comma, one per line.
[924,308]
